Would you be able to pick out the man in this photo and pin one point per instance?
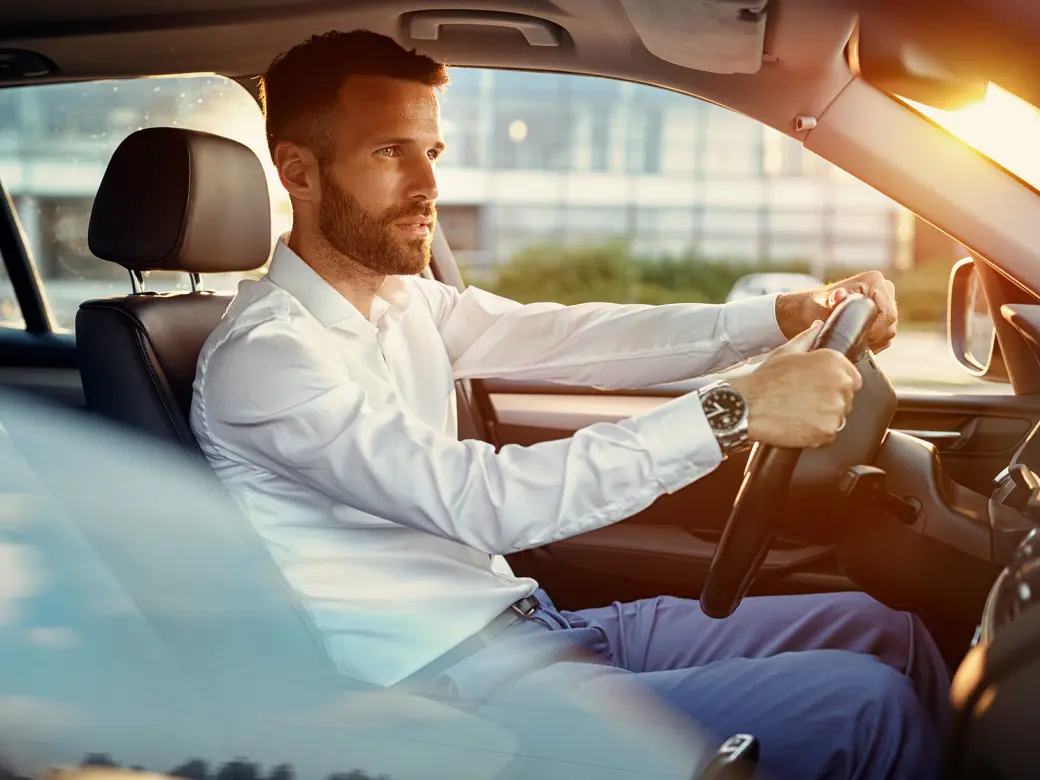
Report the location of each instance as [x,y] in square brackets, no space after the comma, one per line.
[325,403]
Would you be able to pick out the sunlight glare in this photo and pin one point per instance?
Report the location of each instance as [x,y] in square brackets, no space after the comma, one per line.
[1003,127]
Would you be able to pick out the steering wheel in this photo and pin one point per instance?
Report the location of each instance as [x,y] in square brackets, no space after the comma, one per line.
[768,479]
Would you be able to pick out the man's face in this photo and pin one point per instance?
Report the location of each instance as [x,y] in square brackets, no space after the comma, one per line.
[378,191]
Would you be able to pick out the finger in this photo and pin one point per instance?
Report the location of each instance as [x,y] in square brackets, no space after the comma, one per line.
[853,373]
[884,297]
[882,330]
[885,341]
[879,339]
[803,341]
[836,296]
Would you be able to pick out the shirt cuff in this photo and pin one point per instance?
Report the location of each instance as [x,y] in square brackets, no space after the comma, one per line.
[752,327]
[682,446]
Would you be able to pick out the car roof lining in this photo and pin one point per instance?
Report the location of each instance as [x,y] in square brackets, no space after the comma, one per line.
[800,69]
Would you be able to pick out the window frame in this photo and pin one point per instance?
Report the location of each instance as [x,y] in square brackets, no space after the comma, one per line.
[21,270]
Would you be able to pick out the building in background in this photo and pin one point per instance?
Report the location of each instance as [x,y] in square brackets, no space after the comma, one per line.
[568,159]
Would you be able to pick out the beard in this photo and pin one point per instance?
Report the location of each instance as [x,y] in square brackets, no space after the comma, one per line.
[371,239]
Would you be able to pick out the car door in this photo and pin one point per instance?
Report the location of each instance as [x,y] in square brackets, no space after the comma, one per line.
[34,357]
[664,199]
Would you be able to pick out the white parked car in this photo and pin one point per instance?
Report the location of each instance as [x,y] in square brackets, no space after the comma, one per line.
[753,285]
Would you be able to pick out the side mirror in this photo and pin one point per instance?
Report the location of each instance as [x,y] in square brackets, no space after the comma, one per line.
[970,325]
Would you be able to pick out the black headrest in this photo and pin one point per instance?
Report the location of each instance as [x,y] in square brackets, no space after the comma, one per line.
[182,200]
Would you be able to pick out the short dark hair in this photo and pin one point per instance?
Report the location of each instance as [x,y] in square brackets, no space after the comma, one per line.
[300,87]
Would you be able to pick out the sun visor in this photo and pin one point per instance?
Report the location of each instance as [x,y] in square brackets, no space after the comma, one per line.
[718,36]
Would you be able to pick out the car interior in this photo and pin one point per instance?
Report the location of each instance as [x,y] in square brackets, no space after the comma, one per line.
[922,502]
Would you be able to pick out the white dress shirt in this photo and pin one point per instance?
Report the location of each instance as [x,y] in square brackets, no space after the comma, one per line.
[337,435]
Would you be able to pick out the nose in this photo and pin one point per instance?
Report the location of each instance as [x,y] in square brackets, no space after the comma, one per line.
[423,184]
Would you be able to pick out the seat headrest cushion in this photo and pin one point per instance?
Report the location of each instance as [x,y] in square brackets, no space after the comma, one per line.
[182,200]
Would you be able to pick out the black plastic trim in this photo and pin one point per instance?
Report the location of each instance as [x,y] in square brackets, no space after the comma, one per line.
[23,349]
[20,268]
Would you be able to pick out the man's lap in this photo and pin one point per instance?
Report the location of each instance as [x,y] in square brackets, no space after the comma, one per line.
[827,682]
[667,633]
[817,714]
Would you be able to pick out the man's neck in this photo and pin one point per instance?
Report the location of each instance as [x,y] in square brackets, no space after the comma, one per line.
[348,277]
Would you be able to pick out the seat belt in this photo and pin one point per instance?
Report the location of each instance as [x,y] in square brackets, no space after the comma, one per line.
[444,269]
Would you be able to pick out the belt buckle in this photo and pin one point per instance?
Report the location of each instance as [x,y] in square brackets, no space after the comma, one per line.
[525,607]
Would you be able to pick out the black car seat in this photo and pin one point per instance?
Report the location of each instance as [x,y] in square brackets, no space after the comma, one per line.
[171,200]
[182,200]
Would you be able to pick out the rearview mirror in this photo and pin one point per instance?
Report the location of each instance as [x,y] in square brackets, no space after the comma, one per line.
[970,323]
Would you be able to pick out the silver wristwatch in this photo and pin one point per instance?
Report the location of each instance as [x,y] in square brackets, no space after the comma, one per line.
[727,414]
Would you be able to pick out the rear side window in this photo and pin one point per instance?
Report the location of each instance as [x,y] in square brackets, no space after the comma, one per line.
[10,313]
[55,143]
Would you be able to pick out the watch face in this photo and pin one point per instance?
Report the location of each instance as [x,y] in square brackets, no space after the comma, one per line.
[724,408]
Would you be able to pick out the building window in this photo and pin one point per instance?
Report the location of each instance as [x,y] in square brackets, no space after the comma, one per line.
[733,145]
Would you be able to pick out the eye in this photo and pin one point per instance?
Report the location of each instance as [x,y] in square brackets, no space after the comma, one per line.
[433,154]
[389,151]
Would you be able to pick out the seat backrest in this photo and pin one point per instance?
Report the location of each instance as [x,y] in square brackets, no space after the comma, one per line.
[138,356]
[171,200]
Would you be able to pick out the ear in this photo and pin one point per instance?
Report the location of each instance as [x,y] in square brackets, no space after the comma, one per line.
[298,171]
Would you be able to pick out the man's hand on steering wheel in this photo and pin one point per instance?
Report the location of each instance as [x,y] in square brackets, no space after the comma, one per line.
[796,311]
[798,399]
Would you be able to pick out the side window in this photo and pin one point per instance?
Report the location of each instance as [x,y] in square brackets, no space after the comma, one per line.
[572,188]
[10,313]
[56,141]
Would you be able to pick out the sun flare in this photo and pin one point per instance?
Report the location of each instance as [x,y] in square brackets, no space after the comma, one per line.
[1003,127]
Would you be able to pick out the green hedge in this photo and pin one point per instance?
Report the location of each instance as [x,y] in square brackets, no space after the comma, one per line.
[611,272]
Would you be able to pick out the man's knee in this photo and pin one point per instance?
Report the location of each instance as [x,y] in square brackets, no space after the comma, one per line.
[867,612]
[891,734]
[848,716]
[870,627]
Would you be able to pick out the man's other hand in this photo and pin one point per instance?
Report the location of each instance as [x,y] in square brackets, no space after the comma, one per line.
[796,311]
[799,399]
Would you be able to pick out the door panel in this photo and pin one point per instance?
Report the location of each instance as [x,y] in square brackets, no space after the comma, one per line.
[41,364]
[667,548]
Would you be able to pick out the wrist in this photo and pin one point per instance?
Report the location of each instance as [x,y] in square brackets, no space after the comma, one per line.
[793,313]
[745,385]
[726,410]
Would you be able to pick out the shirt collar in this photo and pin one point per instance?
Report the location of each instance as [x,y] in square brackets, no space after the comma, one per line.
[290,272]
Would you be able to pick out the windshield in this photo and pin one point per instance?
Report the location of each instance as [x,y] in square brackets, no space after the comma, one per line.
[1003,127]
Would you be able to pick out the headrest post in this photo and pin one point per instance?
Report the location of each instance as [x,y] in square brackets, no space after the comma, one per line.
[136,280]
[196,281]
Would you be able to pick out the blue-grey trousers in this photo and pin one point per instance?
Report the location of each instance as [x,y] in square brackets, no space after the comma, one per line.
[833,685]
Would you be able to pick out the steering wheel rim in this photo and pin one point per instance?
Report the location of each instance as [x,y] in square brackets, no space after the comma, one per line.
[750,528]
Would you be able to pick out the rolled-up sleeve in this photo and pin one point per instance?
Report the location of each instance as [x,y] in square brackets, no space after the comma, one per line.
[602,345]
[272,400]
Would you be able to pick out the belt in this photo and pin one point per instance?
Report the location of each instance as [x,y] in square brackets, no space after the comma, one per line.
[523,609]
